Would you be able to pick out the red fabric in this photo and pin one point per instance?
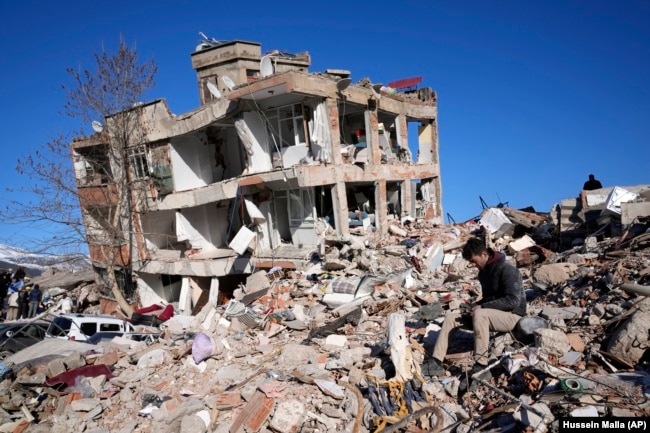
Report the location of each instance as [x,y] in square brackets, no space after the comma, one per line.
[167,313]
[149,309]
[64,380]
[493,256]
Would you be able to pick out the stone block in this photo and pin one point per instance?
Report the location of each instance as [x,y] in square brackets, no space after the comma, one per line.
[294,355]
[85,404]
[55,367]
[289,416]
[555,273]
[192,424]
[629,340]
[336,340]
[34,379]
[74,360]
[565,313]
[552,341]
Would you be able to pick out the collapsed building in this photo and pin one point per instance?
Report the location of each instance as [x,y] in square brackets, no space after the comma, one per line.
[274,159]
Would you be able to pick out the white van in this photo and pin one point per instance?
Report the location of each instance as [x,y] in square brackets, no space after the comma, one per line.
[81,326]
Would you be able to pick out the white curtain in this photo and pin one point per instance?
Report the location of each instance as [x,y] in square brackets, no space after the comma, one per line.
[321,139]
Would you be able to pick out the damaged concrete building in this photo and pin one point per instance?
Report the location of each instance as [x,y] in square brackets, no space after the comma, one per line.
[274,158]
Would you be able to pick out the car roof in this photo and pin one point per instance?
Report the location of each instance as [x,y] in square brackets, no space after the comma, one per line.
[74,316]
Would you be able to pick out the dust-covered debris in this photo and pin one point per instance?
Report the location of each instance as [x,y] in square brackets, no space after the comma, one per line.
[339,345]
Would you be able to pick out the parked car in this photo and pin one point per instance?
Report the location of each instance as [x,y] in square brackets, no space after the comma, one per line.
[15,336]
[81,326]
[147,337]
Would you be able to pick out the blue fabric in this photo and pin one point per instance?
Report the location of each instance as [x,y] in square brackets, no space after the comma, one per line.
[16,286]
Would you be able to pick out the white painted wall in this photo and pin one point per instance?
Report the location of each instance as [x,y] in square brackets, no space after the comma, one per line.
[204,226]
[152,291]
[192,162]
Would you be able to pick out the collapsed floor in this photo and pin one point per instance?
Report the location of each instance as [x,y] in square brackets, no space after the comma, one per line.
[310,350]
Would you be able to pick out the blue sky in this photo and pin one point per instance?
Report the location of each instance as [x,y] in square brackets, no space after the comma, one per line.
[532,96]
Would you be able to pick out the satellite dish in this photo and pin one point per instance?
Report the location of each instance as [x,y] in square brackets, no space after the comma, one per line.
[343,83]
[266,66]
[377,87]
[213,89]
[230,84]
[97,126]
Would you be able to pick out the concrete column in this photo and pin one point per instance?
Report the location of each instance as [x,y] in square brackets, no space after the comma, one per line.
[335,131]
[437,186]
[381,209]
[437,205]
[338,190]
[434,142]
[340,202]
[372,136]
[402,131]
[406,197]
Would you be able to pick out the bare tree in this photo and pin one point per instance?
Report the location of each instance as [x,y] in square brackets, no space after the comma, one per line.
[93,199]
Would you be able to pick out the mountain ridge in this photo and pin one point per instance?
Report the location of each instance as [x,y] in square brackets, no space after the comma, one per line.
[36,263]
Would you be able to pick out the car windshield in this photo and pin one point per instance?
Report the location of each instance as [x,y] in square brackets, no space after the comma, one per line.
[59,327]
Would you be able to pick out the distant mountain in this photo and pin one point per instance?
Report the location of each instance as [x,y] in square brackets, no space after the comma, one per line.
[35,264]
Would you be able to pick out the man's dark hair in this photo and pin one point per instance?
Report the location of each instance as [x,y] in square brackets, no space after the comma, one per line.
[473,247]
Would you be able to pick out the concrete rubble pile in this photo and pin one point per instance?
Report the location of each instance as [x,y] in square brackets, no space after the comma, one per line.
[338,345]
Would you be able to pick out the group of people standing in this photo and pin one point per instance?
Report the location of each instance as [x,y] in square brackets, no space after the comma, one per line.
[25,301]
[19,300]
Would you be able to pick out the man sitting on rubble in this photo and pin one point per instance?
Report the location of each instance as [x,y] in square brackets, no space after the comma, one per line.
[502,304]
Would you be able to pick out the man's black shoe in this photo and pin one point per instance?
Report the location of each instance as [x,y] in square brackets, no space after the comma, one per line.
[474,383]
[432,367]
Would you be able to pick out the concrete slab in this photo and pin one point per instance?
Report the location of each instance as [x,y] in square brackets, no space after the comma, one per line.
[563,313]
[50,348]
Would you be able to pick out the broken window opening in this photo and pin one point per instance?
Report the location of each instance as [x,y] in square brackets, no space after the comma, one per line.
[124,279]
[394,198]
[287,126]
[354,144]
[421,141]
[139,161]
[158,229]
[390,140]
[93,166]
[299,204]
[426,196]
[295,213]
[324,204]
[361,205]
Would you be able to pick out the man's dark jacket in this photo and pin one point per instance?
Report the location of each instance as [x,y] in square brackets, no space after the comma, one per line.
[35,295]
[502,286]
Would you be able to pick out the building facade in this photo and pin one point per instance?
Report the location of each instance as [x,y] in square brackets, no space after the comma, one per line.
[274,159]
